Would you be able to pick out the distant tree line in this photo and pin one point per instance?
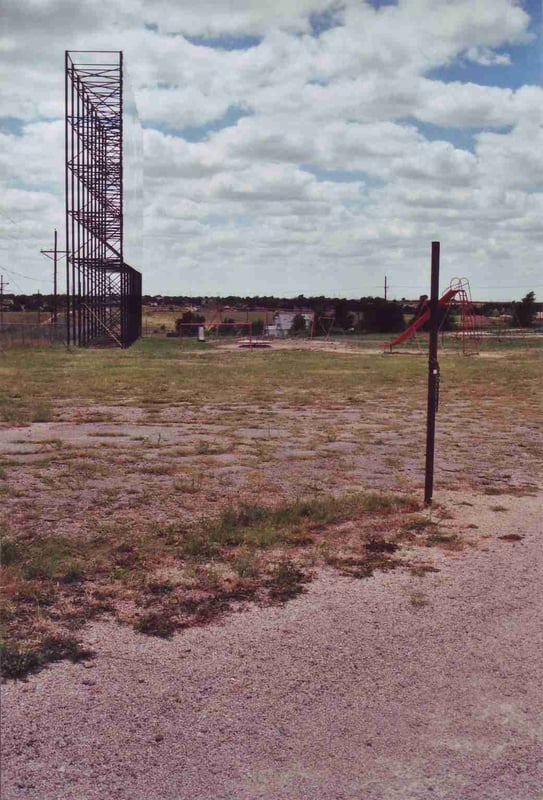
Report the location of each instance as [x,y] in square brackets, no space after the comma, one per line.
[374,308]
[525,311]
[366,314]
[34,302]
[370,314]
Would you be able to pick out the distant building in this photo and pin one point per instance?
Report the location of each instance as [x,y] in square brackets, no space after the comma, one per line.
[282,322]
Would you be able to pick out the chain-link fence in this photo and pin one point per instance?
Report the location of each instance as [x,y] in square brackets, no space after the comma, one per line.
[16,334]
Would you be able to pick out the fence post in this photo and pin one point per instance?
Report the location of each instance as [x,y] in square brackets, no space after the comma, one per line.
[433,377]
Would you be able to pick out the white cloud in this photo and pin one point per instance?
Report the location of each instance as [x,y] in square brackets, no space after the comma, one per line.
[438,163]
[485,57]
[329,180]
[238,17]
[170,157]
[36,158]
[513,160]
[469,104]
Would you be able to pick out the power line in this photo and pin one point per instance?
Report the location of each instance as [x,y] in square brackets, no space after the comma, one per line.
[17,285]
[8,235]
[20,274]
[5,214]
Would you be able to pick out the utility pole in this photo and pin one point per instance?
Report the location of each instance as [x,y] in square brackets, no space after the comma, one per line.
[54,255]
[433,377]
[386,287]
[2,284]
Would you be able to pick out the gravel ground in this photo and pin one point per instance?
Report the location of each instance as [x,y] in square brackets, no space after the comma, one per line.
[391,688]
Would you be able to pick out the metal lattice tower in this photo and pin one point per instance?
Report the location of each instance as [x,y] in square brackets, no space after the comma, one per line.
[103,292]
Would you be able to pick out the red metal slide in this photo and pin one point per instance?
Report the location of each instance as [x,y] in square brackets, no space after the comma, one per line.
[444,300]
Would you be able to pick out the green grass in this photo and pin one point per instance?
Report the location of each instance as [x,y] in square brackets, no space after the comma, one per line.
[32,380]
[261,526]
[213,554]
[54,584]
[19,660]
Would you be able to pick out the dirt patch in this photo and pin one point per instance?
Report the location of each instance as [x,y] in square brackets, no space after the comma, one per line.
[162,506]
[409,685]
[55,584]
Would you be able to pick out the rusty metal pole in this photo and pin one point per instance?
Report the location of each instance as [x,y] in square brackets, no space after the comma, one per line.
[433,377]
[55,257]
[67,196]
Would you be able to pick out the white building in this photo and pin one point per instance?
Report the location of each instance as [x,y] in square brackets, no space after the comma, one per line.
[282,322]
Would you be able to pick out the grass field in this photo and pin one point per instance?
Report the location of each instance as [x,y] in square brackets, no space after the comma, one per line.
[25,317]
[157,321]
[164,486]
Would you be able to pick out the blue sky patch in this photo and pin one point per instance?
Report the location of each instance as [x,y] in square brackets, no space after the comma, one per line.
[12,125]
[525,68]
[380,3]
[200,133]
[226,42]
[526,61]
[323,21]
[336,175]
[462,138]
[342,176]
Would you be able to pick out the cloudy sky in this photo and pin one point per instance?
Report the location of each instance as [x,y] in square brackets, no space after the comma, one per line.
[295,146]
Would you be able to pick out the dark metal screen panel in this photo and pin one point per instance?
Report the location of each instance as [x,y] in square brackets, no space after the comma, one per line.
[103,292]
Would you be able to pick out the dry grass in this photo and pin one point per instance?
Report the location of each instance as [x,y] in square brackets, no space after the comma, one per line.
[162,578]
[244,490]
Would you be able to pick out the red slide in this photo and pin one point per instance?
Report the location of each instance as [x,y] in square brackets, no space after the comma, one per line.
[445,298]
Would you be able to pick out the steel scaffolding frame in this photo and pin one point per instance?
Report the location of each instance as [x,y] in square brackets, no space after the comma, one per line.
[103,292]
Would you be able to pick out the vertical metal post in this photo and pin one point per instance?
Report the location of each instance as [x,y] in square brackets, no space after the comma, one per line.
[433,377]
[79,205]
[67,198]
[55,279]
[123,299]
[386,287]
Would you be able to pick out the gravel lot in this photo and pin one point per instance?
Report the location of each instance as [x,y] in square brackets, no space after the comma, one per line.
[392,688]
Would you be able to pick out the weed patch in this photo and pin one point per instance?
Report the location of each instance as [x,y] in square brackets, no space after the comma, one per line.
[161,468]
[248,553]
[10,551]
[20,660]
[418,599]
[157,623]
[447,541]
[362,566]
[421,570]
[376,545]
[121,559]
[41,412]
[285,581]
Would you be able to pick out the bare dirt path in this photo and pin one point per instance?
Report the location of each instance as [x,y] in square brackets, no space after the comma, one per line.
[391,688]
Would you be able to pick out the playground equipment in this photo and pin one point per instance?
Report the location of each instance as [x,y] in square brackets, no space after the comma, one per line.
[458,292]
[325,325]
[202,330]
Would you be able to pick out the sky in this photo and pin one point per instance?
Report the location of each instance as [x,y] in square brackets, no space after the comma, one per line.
[295,147]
